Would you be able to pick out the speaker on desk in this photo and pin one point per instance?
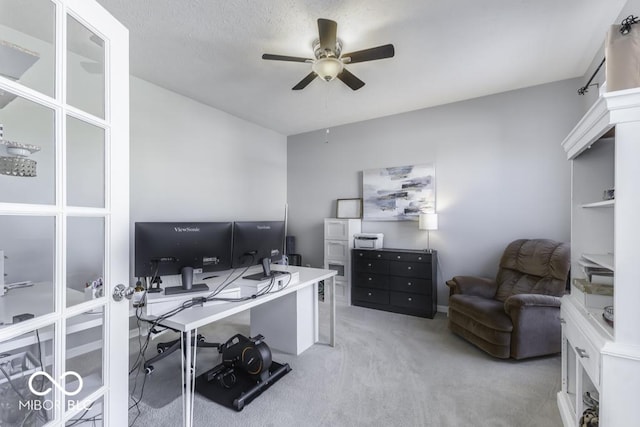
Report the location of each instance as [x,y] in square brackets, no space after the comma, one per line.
[290,243]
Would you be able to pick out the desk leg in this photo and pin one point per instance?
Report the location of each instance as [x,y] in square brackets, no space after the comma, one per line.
[332,313]
[316,313]
[188,376]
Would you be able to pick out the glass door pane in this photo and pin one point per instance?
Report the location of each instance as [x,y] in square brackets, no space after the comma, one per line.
[91,415]
[85,164]
[22,403]
[27,249]
[27,45]
[27,153]
[84,355]
[85,259]
[85,69]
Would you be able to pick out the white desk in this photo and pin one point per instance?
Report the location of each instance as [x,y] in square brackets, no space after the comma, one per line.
[288,319]
[36,299]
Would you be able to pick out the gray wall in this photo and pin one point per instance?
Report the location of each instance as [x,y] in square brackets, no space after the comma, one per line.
[500,175]
[191,162]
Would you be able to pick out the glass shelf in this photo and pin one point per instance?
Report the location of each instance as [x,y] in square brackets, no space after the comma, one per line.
[601,204]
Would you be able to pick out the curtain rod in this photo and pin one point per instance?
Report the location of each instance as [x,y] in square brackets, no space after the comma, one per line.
[625,28]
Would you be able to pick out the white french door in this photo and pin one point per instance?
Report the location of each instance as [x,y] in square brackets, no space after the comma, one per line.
[64,214]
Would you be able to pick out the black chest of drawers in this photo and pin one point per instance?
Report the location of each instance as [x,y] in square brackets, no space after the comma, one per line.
[398,280]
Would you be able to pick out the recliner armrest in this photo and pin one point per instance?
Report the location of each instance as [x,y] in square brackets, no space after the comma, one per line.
[472,285]
[515,302]
[536,324]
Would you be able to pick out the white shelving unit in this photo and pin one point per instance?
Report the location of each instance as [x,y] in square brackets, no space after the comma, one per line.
[604,150]
[338,242]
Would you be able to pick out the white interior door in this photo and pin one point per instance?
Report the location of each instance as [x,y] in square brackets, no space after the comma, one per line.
[64,213]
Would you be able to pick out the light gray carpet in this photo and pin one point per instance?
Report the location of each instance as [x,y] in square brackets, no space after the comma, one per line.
[387,369]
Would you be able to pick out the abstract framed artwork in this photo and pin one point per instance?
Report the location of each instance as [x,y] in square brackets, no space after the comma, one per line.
[398,193]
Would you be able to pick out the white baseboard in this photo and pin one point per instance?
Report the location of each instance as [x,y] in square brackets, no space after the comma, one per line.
[442,309]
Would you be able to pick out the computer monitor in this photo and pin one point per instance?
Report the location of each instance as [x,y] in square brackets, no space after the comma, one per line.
[170,248]
[258,242]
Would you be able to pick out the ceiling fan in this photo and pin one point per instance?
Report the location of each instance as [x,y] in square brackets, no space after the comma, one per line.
[329,63]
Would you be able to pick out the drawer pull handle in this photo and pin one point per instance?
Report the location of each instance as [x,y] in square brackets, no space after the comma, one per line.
[582,353]
[408,268]
[409,299]
[398,256]
[370,279]
[369,265]
[409,284]
[369,293]
[419,258]
[379,256]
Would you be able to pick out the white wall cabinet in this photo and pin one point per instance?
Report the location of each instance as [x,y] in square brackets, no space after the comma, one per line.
[604,150]
[338,242]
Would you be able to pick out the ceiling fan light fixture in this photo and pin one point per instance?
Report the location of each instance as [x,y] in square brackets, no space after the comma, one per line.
[328,68]
[329,62]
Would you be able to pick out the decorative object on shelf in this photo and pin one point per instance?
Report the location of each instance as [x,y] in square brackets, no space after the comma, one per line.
[592,295]
[349,208]
[14,61]
[616,52]
[607,314]
[17,163]
[590,416]
[622,53]
[428,222]
[398,193]
[608,194]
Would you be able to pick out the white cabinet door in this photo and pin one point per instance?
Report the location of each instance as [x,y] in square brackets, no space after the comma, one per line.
[336,229]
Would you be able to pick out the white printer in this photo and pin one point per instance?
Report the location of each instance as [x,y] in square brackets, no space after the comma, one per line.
[368,240]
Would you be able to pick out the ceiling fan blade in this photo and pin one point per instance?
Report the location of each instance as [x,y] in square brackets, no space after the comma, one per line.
[304,82]
[380,52]
[327,30]
[284,58]
[350,80]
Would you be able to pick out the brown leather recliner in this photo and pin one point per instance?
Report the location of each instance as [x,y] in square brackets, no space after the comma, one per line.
[518,314]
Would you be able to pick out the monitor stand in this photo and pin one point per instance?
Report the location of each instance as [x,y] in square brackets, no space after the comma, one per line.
[155,289]
[187,284]
[266,274]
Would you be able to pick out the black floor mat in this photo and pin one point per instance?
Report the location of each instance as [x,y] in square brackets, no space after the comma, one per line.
[236,388]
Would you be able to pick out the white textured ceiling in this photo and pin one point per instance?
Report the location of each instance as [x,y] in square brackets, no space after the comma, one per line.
[446,51]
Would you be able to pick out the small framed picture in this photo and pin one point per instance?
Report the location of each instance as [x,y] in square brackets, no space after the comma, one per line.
[349,208]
